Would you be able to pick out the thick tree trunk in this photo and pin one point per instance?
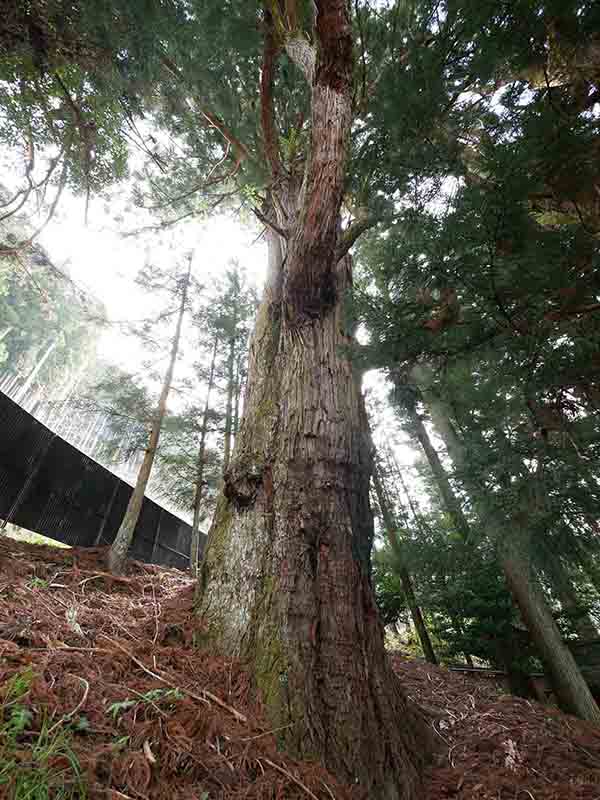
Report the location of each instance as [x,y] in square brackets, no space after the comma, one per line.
[514,545]
[285,580]
[195,540]
[403,573]
[117,554]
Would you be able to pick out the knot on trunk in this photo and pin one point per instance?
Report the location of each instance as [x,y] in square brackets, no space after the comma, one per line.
[241,483]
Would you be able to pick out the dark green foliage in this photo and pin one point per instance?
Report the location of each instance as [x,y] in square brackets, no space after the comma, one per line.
[488,280]
[41,310]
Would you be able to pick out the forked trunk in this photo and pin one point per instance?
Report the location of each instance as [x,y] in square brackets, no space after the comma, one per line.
[285,581]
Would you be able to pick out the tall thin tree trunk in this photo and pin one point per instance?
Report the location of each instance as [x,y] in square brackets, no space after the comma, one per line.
[229,403]
[117,554]
[195,542]
[451,502]
[22,393]
[513,543]
[285,581]
[562,584]
[391,528]
[571,690]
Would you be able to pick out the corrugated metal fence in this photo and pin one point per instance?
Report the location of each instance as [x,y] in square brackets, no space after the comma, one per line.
[49,487]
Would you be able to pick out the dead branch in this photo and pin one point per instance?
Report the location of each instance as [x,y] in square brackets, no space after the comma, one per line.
[160,676]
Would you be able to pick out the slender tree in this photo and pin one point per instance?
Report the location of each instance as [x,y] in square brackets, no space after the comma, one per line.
[229,408]
[195,541]
[117,553]
[391,529]
[513,537]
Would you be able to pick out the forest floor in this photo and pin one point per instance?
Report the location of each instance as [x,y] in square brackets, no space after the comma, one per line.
[104,694]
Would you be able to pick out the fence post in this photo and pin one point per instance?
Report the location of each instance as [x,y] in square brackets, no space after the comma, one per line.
[107,514]
[156,535]
[28,481]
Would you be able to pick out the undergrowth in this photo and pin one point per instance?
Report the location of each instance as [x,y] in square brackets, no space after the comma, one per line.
[36,761]
[154,697]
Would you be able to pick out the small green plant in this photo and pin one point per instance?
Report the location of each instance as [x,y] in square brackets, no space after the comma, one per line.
[121,743]
[42,764]
[46,767]
[161,697]
[18,686]
[19,720]
[37,583]
[80,724]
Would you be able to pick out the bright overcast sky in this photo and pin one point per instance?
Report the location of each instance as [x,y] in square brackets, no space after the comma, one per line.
[104,262]
[100,259]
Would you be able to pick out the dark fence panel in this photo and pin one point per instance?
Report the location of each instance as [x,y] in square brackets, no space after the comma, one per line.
[50,487]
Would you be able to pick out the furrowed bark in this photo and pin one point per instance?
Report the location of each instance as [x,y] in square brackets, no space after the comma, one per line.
[285,580]
[310,284]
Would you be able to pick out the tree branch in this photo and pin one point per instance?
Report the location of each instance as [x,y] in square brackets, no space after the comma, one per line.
[239,149]
[269,223]
[267,115]
[353,232]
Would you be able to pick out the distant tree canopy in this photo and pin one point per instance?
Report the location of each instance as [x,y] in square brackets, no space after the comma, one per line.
[221,315]
[40,306]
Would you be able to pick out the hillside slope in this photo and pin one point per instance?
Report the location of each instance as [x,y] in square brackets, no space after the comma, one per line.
[104,685]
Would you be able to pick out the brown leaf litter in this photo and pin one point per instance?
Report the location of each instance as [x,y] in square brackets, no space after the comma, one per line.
[151,715]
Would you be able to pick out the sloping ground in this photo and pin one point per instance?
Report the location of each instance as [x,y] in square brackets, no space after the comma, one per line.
[102,685]
[499,747]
